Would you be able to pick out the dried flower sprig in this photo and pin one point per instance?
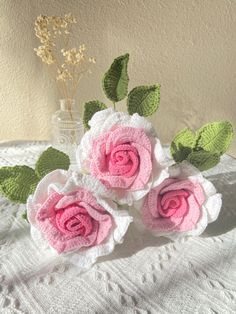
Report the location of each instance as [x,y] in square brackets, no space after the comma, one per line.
[67,66]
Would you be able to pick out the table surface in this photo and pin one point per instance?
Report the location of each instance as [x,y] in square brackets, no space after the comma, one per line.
[145,275]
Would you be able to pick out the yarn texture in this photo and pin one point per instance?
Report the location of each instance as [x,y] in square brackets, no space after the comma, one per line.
[17,183]
[181,205]
[74,215]
[124,153]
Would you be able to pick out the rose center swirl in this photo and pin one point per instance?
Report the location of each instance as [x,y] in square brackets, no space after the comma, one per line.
[123,160]
[74,220]
[173,203]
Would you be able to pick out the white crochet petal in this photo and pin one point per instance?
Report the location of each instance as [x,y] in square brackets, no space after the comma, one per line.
[104,120]
[79,158]
[121,217]
[85,258]
[201,225]
[159,153]
[95,186]
[54,180]
[82,152]
[31,210]
[115,119]
[159,161]
[208,187]
[76,179]
[136,121]
[213,206]
[99,117]
[92,184]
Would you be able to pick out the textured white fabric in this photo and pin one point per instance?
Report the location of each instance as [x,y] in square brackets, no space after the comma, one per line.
[143,275]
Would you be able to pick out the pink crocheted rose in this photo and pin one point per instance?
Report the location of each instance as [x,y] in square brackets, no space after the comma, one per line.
[124,153]
[181,205]
[73,213]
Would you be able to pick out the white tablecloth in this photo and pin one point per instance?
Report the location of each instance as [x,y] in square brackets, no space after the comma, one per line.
[144,275]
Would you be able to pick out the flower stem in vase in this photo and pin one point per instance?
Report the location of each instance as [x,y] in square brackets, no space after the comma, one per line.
[67,128]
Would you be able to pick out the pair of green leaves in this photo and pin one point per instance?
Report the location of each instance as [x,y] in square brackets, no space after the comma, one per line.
[203,148]
[143,100]
[18,182]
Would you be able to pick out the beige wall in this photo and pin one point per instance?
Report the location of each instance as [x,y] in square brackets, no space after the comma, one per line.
[189,46]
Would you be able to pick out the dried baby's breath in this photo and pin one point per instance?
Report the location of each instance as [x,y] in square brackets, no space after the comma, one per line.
[63,75]
[45,53]
[72,56]
[67,65]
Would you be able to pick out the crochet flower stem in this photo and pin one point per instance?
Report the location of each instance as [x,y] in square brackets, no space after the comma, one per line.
[114,105]
[69,108]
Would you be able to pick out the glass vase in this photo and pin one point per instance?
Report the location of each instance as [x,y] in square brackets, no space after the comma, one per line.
[67,128]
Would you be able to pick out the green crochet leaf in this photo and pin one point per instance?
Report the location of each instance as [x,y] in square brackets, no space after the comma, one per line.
[115,81]
[203,160]
[182,145]
[215,137]
[51,159]
[144,100]
[90,108]
[17,183]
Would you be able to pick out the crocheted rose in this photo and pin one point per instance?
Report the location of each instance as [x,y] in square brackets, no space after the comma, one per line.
[73,213]
[181,205]
[124,153]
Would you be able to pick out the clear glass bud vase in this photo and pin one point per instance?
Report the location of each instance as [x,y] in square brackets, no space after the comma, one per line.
[67,128]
